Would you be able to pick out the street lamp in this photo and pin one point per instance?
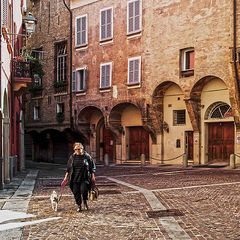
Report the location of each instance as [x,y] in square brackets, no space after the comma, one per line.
[30,23]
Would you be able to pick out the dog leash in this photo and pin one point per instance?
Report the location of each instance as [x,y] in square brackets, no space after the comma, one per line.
[63,184]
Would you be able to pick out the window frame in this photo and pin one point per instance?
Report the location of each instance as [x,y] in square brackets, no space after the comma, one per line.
[60,107]
[134,31]
[76,80]
[57,63]
[176,117]
[81,32]
[101,39]
[36,113]
[139,70]
[110,75]
[187,71]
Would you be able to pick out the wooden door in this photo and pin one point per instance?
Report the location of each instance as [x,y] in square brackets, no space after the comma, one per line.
[220,141]
[138,143]
[108,144]
[189,144]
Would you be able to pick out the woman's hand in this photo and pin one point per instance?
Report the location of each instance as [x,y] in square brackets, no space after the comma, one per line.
[93,177]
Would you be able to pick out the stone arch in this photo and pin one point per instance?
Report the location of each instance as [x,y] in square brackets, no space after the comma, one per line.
[157,105]
[218,110]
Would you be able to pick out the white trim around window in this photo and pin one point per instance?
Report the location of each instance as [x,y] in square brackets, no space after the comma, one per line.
[81,31]
[134,16]
[79,80]
[134,70]
[105,75]
[36,110]
[106,24]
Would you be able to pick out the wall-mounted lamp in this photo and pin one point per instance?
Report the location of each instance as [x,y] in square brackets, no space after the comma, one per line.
[165,126]
[30,23]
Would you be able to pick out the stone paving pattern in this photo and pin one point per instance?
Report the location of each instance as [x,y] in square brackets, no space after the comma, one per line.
[209,212]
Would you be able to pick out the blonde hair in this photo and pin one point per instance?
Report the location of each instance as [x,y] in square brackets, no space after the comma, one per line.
[77,144]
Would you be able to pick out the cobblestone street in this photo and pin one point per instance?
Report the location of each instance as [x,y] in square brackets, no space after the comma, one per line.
[161,202]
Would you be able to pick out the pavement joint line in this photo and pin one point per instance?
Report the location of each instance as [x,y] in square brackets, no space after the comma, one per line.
[16,208]
[160,173]
[171,226]
[195,186]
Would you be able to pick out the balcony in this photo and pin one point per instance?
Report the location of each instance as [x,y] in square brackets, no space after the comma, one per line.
[60,87]
[21,74]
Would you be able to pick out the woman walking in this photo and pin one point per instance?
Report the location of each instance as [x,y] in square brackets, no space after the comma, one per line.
[80,174]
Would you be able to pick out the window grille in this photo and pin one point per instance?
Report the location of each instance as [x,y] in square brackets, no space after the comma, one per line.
[179,117]
[61,62]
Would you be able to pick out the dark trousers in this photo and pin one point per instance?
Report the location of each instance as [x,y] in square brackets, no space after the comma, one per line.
[80,192]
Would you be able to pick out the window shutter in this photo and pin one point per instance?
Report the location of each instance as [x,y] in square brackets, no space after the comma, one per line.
[191,65]
[130,17]
[81,31]
[107,79]
[137,16]
[84,78]
[136,71]
[78,34]
[74,81]
[103,77]
[5,12]
[103,24]
[109,23]
[84,31]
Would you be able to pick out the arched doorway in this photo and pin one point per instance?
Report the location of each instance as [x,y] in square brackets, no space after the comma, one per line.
[220,132]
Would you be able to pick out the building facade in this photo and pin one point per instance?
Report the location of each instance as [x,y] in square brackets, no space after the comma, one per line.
[15,74]
[150,80]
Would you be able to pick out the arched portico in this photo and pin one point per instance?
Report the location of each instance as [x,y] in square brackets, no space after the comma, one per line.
[132,139]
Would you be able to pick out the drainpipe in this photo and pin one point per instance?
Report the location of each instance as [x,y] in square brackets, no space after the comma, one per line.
[235,44]
[70,63]
[1,159]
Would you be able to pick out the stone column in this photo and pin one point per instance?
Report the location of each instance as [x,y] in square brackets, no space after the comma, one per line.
[6,140]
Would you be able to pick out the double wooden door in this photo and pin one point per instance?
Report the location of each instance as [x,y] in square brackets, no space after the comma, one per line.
[108,144]
[220,141]
[138,143]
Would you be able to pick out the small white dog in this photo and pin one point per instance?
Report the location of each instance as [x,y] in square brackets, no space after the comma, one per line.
[54,197]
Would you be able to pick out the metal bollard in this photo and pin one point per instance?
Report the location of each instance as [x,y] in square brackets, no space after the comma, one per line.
[106,159]
[185,161]
[232,161]
[143,159]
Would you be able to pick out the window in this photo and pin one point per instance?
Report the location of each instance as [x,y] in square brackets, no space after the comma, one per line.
[106,75]
[106,23]
[179,117]
[36,111]
[187,62]
[37,53]
[60,108]
[134,20]
[81,31]
[134,70]
[79,80]
[61,62]
[5,13]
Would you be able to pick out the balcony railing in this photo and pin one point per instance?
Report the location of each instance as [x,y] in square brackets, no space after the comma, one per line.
[21,74]
[21,70]
[60,87]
